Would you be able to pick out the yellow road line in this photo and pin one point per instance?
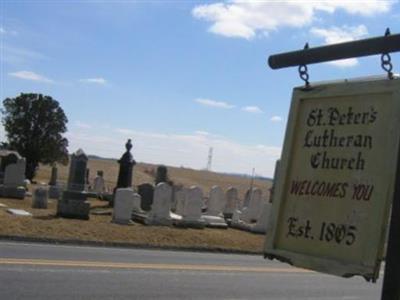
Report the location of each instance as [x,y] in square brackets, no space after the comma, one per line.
[100,264]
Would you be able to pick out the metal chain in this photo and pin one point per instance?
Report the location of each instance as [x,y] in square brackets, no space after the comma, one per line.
[303,73]
[386,63]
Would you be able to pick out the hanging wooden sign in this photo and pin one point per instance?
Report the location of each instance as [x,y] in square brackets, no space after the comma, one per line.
[337,174]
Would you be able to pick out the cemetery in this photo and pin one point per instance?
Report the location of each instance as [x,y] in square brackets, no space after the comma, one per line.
[137,204]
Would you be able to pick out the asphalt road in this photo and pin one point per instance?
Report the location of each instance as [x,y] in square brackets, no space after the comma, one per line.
[41,271]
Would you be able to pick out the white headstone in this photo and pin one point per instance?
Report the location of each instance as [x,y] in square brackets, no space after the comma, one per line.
[99,185]
[123,206]
[39,198]
[180,198]
[252,211]
[137,199]
[161,207]
[14,174]
[216,202]
[232,200]
[193,204]
[236,216]
[247,197]
[263,219]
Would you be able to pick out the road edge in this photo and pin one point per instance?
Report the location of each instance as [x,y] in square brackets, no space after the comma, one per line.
[76,242]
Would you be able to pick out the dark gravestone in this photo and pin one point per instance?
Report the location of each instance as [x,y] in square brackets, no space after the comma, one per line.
[126,164]
[8,159]
[54,188]
[5,161]
[146,192]
[162,174]
[87,175]
[77,171]
[54,174]
[73,203]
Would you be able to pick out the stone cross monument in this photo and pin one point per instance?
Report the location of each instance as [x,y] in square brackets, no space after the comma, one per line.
[126,164]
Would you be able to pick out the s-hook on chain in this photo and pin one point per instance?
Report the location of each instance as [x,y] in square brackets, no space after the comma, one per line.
[386,60]
[303,71]
[386,63]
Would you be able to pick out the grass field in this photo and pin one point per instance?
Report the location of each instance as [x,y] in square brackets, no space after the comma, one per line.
[44,224]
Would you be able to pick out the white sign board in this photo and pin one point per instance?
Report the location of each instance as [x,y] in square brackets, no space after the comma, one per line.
[337,174]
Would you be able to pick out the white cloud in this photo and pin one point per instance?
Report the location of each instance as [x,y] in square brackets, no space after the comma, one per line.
[82,125]
[360,7]
[213,103]
[252,109]
[276,119]
[96,80]
[2,30]
[28,75]
[124,131]
[342,34]
[247,19]
[189,150]
[202,132]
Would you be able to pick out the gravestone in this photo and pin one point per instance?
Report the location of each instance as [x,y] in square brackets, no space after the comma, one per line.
[126,164]
[161,207]
[161,175]
[263,219]
[247,198]
[87,181]
[14,178]
[216,202]
[14,174]
[54,188]
[73,203]
[193,205]
[251,213]
[136,202]
[7,157]
[180,198]
[77,171]
[232,202]
[123,205]
[99,185]
[146,192]
[54,175]
[39,198]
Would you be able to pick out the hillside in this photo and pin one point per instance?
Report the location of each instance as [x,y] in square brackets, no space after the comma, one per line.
[142,173]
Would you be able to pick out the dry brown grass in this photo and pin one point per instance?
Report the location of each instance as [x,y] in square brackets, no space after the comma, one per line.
[184,176]
[44,224]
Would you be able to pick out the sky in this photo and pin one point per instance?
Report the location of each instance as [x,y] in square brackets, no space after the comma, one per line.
[179,77]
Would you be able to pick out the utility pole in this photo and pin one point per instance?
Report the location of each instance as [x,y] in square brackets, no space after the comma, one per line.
[210,156]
